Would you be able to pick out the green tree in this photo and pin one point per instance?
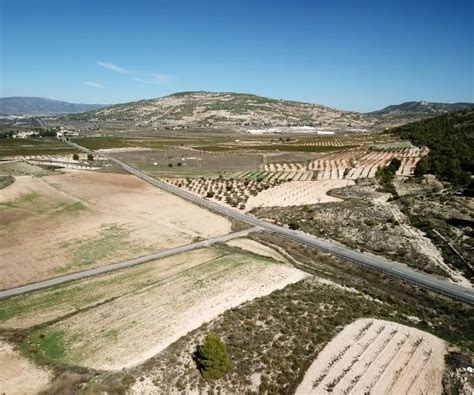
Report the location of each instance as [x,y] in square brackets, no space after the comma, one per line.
[294,225]
[394,165]
[212,358]
[422,167]
[90,157]
[75,157]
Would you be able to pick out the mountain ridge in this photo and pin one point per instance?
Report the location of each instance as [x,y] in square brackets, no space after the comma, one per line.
[421,107]
[231,109]
[219,109]
[31,105]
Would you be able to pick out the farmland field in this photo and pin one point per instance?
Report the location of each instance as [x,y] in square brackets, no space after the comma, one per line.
[65,223]
[381,357]
[351,164]
[123,318]
[13,147]
[137,329]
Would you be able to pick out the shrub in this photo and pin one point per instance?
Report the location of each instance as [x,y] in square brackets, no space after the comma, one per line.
[294,225]
[212,359]
[75,157]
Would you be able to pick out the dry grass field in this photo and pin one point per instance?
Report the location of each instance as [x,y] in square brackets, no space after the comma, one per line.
[123,318]
[64,223]
[379,357]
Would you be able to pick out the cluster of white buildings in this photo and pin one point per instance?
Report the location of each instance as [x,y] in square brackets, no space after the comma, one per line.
[63,132]
[66,133]
[25,135]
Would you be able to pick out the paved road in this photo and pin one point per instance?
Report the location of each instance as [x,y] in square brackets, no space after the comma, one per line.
[121,265]
[366,260]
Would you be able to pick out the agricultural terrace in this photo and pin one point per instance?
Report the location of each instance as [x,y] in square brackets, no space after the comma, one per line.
[349,165]
[291,183]
[123,318]
[55,224]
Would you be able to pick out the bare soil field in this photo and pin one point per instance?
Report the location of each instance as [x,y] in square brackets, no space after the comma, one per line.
[185,161]
[380,357]
[295,193]
[64,223]
[15,168]
[138,324]
[19,376]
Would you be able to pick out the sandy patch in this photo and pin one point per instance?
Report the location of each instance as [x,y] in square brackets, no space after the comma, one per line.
[18,375]
[296,193]
[133,328]
[257,248]
[64,223]
[379,357]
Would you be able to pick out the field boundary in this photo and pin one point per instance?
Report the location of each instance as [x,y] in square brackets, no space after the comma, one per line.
[121,265]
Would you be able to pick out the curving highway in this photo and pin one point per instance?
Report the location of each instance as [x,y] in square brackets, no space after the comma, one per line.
[370,261]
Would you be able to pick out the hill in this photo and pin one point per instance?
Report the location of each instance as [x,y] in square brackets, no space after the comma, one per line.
[41,106]
[210,109]
[450,138]
[414,110]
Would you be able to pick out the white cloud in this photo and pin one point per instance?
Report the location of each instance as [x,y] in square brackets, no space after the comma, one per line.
[113,67]
[156,79]
[93,84]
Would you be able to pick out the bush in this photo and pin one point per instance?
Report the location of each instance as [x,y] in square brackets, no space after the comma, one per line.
[90,157]
[212,359]
[75,157]
[294,225]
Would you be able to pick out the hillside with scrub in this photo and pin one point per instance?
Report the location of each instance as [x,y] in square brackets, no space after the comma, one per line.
[450,138]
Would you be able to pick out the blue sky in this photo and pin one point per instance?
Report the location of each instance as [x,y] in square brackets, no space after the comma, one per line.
[352,54]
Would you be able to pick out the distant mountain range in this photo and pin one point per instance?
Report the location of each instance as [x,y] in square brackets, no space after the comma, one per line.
[41,106]
[227,109]
[418,110]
